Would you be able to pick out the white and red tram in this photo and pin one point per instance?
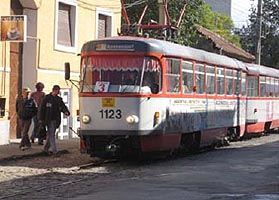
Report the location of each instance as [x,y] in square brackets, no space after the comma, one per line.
[262,99]
[148,95]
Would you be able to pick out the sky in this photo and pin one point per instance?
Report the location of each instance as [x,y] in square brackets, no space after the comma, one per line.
[241,11]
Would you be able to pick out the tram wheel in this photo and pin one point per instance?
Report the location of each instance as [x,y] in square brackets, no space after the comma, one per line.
[190,142]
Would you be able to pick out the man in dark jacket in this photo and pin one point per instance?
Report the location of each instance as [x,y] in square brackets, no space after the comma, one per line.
[50,115]
[26,109]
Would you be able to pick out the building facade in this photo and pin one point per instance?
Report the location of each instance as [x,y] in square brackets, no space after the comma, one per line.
[237,10]
[56,30]
[4,81]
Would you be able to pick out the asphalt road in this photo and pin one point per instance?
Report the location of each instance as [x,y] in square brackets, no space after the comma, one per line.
[247,170]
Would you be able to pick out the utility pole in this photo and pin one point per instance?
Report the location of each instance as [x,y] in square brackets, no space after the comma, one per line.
[162,15]
[259,32]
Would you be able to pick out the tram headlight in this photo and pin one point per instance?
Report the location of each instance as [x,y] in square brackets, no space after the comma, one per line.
[132,119]
[86,119]
[156,120]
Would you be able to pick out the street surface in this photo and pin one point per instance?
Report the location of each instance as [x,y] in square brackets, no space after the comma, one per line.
[245,170]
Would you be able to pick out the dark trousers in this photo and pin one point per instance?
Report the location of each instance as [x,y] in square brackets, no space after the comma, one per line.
[24,128]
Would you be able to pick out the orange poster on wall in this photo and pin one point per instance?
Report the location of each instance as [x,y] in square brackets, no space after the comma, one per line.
[13,28]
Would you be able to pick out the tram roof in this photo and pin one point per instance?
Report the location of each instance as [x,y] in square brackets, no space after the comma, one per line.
[262,70]
[167,49]
[171,49]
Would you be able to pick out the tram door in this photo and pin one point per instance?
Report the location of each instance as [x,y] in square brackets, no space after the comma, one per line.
[64,131]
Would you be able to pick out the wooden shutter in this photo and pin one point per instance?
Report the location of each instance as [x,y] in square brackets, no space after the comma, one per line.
[64,25]
[102,26]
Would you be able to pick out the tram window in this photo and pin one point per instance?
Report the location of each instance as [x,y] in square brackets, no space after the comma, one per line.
[200,78]
[262,86]
[152,77]
[252,90]
[173,75]
[210,79]
[276,89]
[220,80]
[243,83]
[229,81]
[151,82]
[87,76]
[130,77]
[272,87]
[237,82]
[187,72]
[269,86]
[111,74]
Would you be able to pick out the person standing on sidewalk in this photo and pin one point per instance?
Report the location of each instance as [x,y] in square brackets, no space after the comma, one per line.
[26,109]
[50,115]
[38,97]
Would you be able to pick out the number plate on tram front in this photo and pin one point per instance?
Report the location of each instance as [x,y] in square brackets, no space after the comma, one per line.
[108,102]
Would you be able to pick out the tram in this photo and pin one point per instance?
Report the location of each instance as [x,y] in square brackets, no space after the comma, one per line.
[141,95]
[262,99]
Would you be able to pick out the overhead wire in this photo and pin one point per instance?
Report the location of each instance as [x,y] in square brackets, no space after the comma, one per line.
[90,6]
[136,3]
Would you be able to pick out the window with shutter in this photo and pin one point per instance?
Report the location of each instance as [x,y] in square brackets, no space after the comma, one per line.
[65,38]
[64,25]
[102,26]
[103,23]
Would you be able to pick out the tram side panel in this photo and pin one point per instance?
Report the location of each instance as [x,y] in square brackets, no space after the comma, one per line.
[211,117]
[275,115]
[261,115]
[158,123]
[238,128]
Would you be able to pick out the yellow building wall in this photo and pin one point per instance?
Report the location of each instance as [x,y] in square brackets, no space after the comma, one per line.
[86,16]
[4,60]
[51,61]
[4,77]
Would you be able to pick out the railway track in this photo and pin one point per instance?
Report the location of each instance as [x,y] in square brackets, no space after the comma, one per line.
[74,170]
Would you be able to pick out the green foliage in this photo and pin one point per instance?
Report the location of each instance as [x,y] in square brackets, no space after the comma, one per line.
[134,11]
[218,23]
[270,33]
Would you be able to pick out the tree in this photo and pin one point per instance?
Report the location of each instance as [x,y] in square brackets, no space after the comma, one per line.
[270,33]
[197,13]
[218,23]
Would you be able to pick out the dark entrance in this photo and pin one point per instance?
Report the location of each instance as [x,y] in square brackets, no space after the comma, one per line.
[16,73]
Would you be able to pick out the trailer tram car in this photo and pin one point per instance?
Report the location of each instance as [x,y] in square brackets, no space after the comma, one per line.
[140,95]
[262,99]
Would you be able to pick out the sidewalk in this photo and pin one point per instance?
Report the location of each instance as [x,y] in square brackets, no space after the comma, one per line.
[11,151]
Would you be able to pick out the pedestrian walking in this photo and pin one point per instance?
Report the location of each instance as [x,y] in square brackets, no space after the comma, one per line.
[38,96]
[26,109]
[50,115]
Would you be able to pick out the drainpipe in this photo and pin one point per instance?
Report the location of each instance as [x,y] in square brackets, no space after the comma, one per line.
[38,52]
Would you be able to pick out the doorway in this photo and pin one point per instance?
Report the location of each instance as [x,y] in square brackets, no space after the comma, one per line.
[64,129]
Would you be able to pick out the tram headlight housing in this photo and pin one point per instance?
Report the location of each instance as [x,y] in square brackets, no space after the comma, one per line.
[86,119]
[132,119]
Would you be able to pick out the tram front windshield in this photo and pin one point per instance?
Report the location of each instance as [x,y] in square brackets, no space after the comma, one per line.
[120,74]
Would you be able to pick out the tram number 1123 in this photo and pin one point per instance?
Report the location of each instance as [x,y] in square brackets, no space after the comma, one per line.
[110,114]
